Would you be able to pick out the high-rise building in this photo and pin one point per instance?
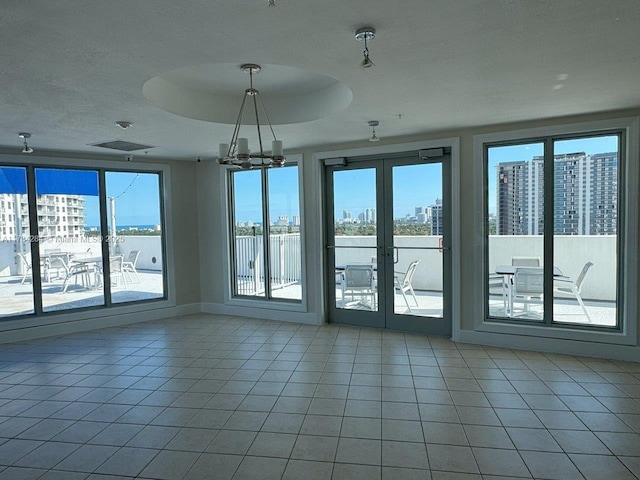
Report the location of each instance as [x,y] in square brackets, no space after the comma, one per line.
[346,214]
[283,220]
[585,195]
[296,220]
[370,215]
[60,216]
[437,220]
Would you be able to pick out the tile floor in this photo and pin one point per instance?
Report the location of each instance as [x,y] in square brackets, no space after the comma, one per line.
[218,397]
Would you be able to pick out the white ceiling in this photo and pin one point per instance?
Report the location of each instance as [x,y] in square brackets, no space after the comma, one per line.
[70,68]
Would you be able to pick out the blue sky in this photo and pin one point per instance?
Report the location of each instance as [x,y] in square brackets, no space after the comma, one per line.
[137,205]
[283,194]
[413,186]
[528,151]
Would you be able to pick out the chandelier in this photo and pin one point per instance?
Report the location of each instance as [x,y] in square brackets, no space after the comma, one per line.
[236,152]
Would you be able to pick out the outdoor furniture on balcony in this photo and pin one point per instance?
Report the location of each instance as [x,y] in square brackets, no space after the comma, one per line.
[129,265]
[528,285]
[116,270]
[25,258]
[359,280]
[404,285]
[56,262]
[525,261]
[527,288]
[86,269]
[564,285]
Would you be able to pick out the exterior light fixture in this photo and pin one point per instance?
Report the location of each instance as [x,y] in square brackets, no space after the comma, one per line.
[373,124]
[25,137]
[236,152]
[365,34]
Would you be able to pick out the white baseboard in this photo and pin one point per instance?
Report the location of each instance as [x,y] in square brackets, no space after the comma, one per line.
[551,345]
[83,325]
[262,313]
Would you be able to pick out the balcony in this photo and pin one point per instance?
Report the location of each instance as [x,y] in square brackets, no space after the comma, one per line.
[16,296]
[598,290]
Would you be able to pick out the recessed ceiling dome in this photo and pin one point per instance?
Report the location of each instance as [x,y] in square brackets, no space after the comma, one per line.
[213,93]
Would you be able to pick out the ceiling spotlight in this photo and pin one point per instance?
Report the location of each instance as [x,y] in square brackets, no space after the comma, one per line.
[124,125]
[27,148]
[272,3]
[373,124]
[365,34]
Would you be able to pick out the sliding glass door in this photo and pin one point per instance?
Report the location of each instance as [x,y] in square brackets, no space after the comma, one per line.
[66,246]
[553,230]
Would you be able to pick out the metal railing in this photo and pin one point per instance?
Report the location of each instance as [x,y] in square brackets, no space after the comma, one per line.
[285,262]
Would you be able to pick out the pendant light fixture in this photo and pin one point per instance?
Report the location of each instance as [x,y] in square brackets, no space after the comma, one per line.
[365,34]
[25,137]
[373,124]
[236,152]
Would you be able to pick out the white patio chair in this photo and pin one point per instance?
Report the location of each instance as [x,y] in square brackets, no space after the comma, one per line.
[129,265]
[359,280]
[565,286]
[528,285]
[525,261]
[404,285]
[116,271]
[26,261]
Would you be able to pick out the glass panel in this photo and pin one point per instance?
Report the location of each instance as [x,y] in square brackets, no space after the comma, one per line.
[285,252]
[247,231]
[417,234]
[16,285]
[585,227]
[515,176]
[71,273]
[135,231]
[355,227]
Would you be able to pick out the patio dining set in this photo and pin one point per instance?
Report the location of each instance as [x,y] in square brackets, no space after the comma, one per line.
[83,271]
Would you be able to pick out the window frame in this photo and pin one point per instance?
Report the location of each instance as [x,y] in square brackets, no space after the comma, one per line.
[42,318]
[264,301]
[625,332]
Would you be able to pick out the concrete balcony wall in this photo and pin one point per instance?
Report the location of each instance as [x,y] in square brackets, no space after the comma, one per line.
[572,252]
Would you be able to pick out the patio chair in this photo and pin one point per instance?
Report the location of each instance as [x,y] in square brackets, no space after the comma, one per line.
[525,261]
[359,280]
[26,261]
[566,286]
[129,265]
[405,285]
[116,270]
[76,271]
[528,285]
[498,281]
[56,263]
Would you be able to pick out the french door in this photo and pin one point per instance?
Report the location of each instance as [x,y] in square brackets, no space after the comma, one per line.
[388,241]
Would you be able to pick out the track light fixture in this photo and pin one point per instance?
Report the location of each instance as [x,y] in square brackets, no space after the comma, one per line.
[27,148]
[365,34]
[373,124]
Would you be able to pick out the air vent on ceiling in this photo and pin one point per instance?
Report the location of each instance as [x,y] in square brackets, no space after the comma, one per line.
[122,146]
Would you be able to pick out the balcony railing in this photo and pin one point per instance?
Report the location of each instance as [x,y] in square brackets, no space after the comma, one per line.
[285,257]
